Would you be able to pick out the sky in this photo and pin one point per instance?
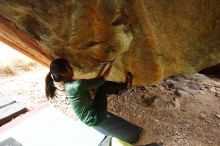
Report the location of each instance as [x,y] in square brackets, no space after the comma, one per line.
[7,53]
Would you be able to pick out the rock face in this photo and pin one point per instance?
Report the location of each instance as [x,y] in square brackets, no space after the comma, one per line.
[152,39]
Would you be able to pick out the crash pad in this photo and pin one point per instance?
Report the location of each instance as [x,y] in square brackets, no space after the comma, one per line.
[46,126]
[10,142]
[10,109]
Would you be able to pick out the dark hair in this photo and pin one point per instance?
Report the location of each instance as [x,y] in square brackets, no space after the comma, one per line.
[57,67]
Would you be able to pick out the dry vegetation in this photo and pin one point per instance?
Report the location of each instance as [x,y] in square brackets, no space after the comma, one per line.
[13,62]
[17,66]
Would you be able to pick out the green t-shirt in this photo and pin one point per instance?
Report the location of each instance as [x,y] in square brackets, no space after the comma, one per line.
[78,92]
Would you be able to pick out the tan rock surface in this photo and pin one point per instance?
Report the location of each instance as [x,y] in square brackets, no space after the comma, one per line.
[152,39]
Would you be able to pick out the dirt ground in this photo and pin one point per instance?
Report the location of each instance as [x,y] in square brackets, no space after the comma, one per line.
[183,110]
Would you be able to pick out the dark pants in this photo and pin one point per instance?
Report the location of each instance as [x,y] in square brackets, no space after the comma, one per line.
[113,125]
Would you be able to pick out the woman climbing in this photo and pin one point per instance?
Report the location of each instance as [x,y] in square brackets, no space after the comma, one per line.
[92,110]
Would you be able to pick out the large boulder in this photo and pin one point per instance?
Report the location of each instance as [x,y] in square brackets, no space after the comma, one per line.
[152,39]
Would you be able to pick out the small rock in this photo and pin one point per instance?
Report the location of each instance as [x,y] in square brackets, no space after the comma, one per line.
[217,94]
[170,83]
[161,88]
[176,103]
[181,93]
[156,120]
[202,115]
[149,101]
[217,116]
[183,110]
[193,86]
[202,92]
[199,77]
[177,78]
[154,85]
[217,86]
[143,96]
[142,88]
[212,89]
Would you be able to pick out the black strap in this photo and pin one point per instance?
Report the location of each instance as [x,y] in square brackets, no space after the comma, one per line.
[106,141]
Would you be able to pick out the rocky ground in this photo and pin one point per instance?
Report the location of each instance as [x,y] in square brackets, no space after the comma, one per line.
[183,110]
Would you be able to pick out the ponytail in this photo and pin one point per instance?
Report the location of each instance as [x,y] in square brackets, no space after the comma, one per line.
[50,88]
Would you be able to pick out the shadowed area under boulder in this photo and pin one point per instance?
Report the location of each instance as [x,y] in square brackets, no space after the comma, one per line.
[213,71]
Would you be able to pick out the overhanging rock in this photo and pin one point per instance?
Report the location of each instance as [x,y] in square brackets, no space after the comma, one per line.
[152,39]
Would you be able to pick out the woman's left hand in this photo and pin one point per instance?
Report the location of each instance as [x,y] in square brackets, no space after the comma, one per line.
[105,72]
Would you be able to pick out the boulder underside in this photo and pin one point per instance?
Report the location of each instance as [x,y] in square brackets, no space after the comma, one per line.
[152,39]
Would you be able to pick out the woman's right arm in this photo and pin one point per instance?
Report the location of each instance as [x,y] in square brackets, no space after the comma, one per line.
[89,84]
